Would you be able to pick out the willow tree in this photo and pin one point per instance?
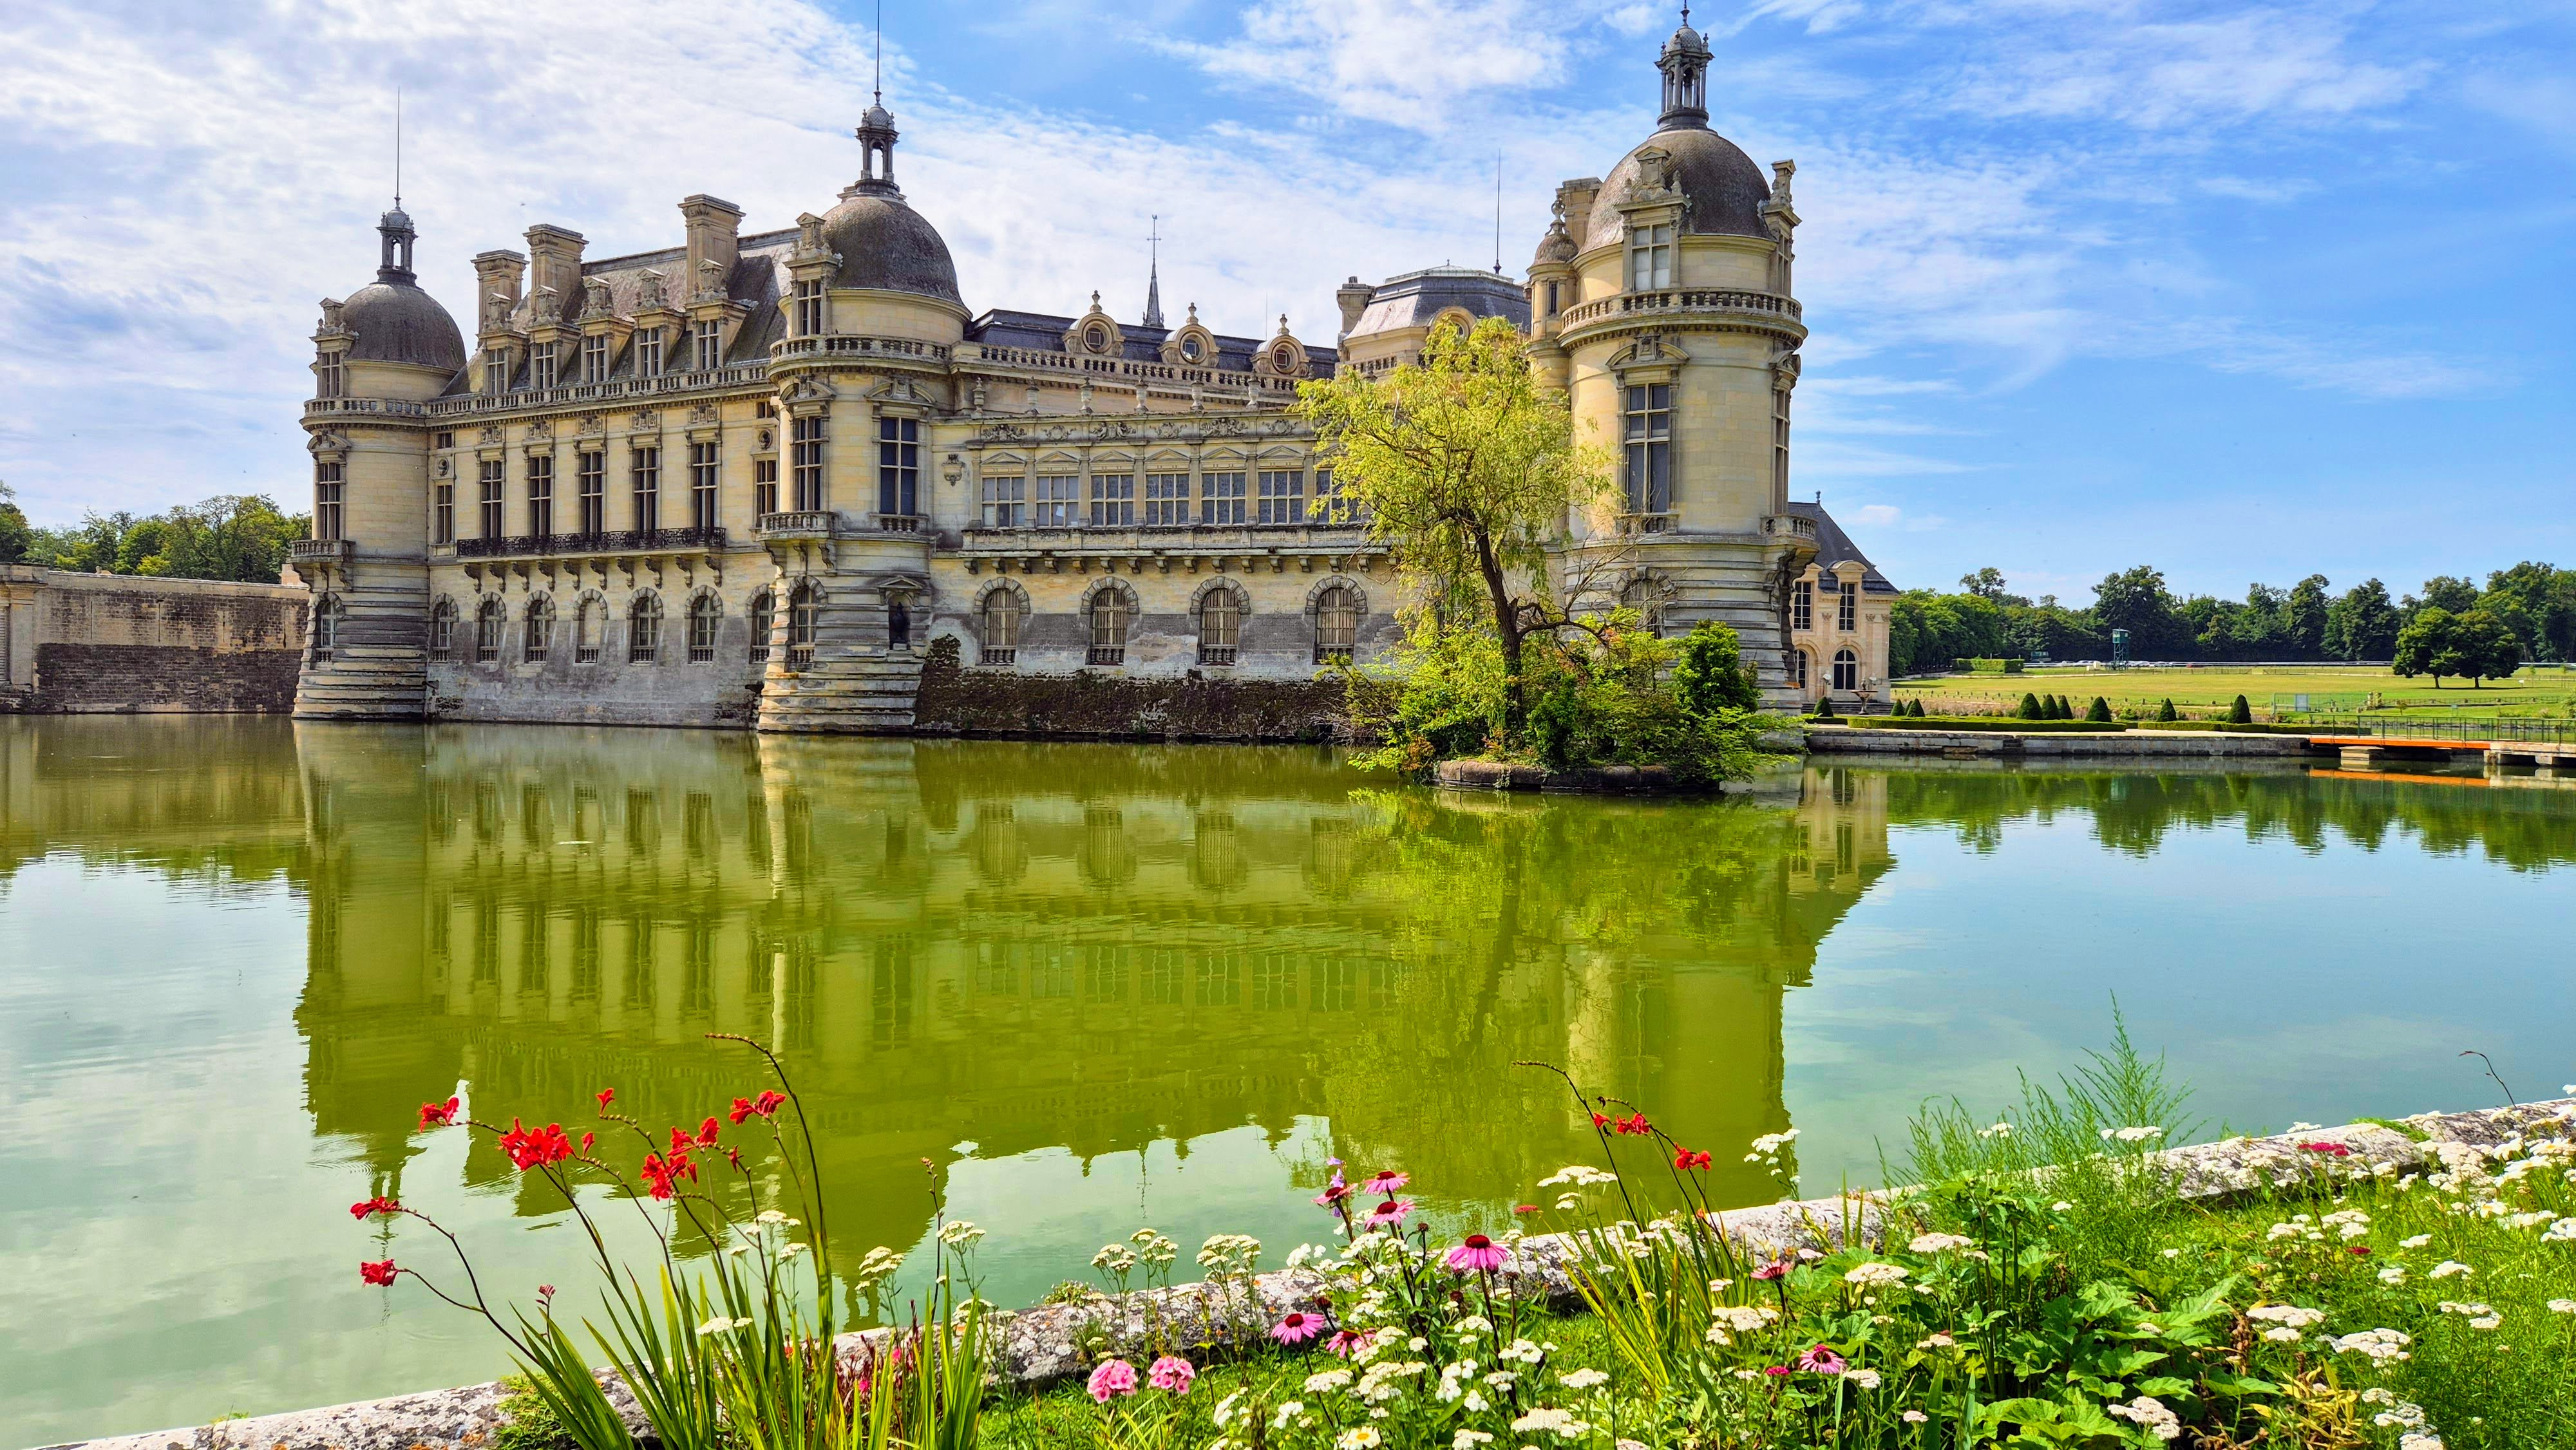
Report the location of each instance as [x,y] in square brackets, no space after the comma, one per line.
[1466,468]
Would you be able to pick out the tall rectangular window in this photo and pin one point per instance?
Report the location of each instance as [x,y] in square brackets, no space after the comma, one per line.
[702,485]
[648,352]
[764,487]
[327,483]
[1780,445]
[496,372]
[1167,499]
[1283,497]
[645,471]
[1058,506]
[541,494]
[1847,608]
[1332,506]
[488,500]
[594,358]
[809,310]
[1221,498]
[1802,605]
[541,367]
[1649,471]
[442,515]
[1650,258]
[331,375]
[1005,502]
[710,345]
[1113,500]
[593,472]
[898,465]
[806,435]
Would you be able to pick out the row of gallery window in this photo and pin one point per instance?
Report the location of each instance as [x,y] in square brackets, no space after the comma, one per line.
[1112,500]
[1000,619]
[1802,605]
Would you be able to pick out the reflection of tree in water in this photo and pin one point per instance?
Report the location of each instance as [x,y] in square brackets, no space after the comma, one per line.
[2523,830]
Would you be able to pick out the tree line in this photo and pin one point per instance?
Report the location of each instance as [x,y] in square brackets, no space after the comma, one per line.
[239,537]
[2464,628]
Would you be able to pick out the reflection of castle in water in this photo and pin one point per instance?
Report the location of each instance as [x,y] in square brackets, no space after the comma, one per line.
[1027,946]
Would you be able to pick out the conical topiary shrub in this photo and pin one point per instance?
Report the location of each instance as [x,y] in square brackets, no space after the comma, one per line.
[2031,709]
[2166,711]
[2240,713]
[2099,712]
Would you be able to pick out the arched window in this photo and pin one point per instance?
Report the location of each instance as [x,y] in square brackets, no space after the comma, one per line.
[1000,617]
[1337,624]
[327,618]
[489,619]
[704,611]
[1846,670]
[763,606]
[589,622]
[644,630]
[1647,598]
[1220,626]
[1111,609]
[442,630]
[804,618]
[541,630]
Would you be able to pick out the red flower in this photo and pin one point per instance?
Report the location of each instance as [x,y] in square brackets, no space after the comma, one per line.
[587,1139]
[2336,1149]
[535,1147]
[734,1157]
[768,1102]
[1688,1159]
[1636,1126]
[381,1272]
[1779,1270]
[438,1115]
[664,1174]
[606,1096]
[741,1109]
[1524,1208]
[707,1133]
[377,1204]
[2359,1251]
[1599,1122]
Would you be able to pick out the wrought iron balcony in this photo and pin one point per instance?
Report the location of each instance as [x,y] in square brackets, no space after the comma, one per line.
[624,541]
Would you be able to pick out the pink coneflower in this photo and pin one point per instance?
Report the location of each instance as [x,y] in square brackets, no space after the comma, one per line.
[1114,1377]
[1335,1191]
[1343,1343]
[1775,1369]
[1821,1360]
[1390,1212]
[1524,1208]
[1779,1270]
[1171,1373]
[1478,1255]
[1296,1327]
[1387,1181]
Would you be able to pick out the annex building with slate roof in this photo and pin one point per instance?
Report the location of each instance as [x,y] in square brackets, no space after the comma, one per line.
[756,479]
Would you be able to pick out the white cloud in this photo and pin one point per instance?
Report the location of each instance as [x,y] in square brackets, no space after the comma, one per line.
[1878,515]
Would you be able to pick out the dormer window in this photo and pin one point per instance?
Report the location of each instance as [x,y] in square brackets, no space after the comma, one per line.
[648,353]
[1096,338]
[809,307]
[331,375]
[541,369]
[496,372]
[710,345]
[594,358]
[1191,351]
[1650,258]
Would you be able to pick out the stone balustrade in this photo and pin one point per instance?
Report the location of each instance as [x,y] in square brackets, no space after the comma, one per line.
[584,394]
[618,541]
[1680,300]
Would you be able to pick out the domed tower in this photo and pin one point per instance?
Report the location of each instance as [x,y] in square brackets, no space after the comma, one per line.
[1676,335]
[378,356]
[873,318]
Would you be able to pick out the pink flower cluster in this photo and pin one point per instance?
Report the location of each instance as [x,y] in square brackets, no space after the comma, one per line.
[1115,1378]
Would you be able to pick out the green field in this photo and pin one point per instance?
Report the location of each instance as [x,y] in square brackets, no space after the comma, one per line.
[2272,690]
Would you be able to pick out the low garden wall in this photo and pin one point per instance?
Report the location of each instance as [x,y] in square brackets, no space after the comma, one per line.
[1042,1344]
[955,700]
[1964,744]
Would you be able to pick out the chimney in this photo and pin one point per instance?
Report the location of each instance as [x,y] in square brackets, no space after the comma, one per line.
[1353,296]
[558,265]
[714,226]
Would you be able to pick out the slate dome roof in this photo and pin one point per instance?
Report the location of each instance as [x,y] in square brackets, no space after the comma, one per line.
[887,245]
[397,322]
[1724,188]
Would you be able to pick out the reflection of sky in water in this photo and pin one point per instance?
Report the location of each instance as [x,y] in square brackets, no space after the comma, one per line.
[1098,988]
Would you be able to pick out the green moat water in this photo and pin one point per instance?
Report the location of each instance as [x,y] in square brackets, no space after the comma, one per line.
[1093,988]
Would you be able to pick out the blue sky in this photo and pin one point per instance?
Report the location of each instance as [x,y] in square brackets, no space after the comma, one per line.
[2242,290]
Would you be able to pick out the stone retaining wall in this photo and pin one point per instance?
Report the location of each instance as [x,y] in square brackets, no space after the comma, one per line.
[1038,1345]
[118,643]
[959,700]
[1972,744]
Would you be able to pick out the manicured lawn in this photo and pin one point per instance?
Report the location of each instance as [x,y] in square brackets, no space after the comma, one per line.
[2334,689]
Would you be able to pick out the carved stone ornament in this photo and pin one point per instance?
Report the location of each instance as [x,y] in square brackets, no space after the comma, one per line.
[804,388]
[541,428]
[711,280]
[546,307]
[594,423]
[645,420]
[327,441]
[490,435]
[596,301]
[1785,369]
[702,414]
[649,290]
[331,315]
[1654,170]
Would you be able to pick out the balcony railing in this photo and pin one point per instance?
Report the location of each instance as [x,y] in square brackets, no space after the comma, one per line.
[562,395]
[839,346]
[376,407]
[807,523]
[998,657]
[1216,654]
[1768,304]
[1789,526]
[1661,523]
[1128,369]
[901,523]
[1106,654]
[333,551]
[626,541]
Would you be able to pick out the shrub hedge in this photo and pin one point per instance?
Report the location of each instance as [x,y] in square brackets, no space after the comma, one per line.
[2003,723]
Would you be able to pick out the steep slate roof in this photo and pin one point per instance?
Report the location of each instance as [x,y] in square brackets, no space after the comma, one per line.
[1044,332]
[1413,299]
[1833,546]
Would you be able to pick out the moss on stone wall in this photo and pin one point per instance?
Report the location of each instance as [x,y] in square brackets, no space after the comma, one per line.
[955,700]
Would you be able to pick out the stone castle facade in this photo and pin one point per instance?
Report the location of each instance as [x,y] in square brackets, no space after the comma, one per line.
[755,479]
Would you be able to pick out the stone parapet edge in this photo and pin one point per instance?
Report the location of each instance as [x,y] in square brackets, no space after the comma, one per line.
[1043,1344]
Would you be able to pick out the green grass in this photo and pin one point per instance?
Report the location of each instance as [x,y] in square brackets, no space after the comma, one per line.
[2533,691]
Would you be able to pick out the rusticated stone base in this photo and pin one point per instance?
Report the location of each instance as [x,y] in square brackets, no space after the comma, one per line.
[958,700]
[1043,1344]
